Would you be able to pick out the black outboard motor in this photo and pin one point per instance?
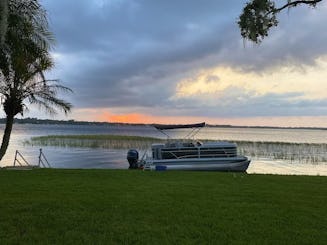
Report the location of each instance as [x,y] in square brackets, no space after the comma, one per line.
[133,157]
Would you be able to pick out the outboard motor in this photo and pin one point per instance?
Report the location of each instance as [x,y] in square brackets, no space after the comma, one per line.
[133,157]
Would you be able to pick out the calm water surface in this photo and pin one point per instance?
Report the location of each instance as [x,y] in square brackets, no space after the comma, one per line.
[104,158]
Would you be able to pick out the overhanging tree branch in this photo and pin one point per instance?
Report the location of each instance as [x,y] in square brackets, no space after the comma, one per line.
[259,16]
[295,3]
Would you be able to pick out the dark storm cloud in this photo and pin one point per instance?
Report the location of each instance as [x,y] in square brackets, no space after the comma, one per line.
[133,44]
[133,52]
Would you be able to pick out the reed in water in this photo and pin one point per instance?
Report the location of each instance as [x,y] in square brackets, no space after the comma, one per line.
[297,152]
[94,141]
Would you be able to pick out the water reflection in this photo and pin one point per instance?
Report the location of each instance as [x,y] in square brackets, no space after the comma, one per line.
[258,166]
[116,159]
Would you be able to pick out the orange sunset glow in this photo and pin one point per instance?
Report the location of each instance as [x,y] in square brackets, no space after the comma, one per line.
[142,118]
[125,118]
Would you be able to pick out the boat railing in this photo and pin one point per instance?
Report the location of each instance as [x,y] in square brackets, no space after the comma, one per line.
[196,153]
[205,156]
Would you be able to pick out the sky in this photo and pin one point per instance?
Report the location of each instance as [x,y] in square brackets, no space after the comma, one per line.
[184,61]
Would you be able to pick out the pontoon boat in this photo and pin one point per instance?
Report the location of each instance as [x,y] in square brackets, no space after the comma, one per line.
[190,154]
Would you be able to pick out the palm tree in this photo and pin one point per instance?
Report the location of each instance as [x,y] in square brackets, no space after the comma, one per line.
[24,57]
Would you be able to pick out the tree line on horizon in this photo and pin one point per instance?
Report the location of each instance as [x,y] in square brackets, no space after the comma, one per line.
[29,120]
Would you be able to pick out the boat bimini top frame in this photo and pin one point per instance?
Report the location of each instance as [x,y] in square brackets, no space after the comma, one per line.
[195,129]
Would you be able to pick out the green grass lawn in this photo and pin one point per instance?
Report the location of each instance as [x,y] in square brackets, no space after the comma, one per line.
[49,206]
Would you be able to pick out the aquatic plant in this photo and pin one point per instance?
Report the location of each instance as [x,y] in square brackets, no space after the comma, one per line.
[94,141]
[293,152]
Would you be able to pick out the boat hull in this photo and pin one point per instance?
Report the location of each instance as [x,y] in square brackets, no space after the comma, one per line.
[237,164]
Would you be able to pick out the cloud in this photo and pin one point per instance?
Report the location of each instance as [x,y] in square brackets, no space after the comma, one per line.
[234,102]
[134,53]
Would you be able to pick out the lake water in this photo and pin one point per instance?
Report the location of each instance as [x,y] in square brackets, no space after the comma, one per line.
[116,159]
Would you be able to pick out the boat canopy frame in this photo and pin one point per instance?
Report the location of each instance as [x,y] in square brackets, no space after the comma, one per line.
[195,128]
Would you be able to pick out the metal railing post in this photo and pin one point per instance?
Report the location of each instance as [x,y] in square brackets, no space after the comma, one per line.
[15,158]
[45,159]
[40,158]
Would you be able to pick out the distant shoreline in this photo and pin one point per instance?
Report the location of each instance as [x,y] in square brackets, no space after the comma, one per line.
[73,122]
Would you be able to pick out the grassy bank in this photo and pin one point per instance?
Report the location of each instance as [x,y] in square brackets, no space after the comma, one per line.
[134,207]
[299,152]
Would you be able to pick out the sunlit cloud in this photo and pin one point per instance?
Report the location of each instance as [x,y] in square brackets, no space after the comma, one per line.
[308,83]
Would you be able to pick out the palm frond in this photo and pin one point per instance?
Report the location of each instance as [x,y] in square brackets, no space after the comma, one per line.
[50,103]
[44,93]
[30,15]
[3,20]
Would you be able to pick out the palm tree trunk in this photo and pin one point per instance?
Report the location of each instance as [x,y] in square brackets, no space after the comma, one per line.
[6,135]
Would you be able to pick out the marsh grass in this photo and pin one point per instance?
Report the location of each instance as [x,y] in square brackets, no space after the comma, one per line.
[95,141]
[297,152]
[293,152]
[53,206]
